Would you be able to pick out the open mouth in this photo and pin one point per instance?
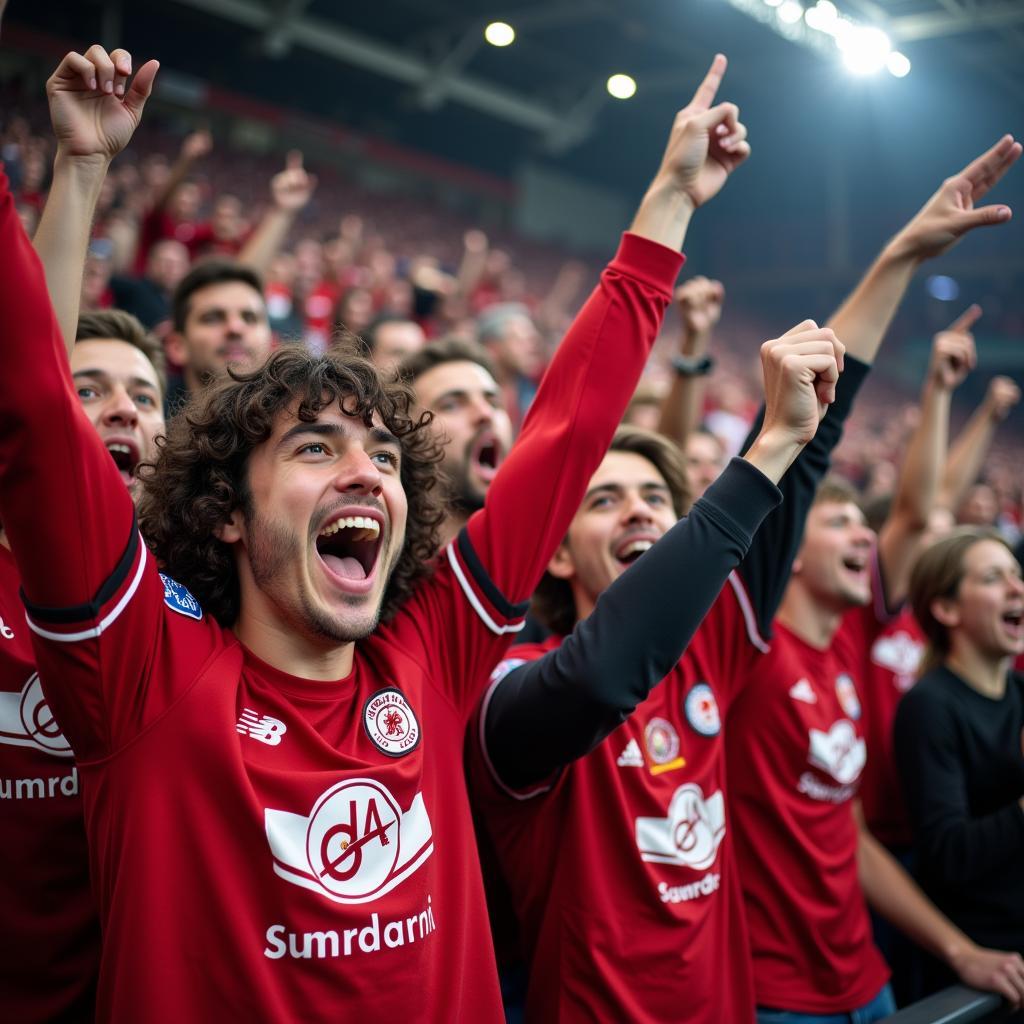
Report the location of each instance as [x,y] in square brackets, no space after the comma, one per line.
[631,549]
[125,454]
[856,564]
[1014,621]
[349,546]
[486,456]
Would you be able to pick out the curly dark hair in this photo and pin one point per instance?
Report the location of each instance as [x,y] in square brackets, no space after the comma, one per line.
[200,475]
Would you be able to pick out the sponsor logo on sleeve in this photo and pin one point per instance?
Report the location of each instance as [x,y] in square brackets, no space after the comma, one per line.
[840,752]
[261,727]
[702,710]
[690,835]
[356,845]
[179,600]
[27,721]
[390,723]
[847,694]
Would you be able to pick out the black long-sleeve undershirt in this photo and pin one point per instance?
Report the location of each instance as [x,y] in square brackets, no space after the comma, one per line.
[568,701]
[636,633]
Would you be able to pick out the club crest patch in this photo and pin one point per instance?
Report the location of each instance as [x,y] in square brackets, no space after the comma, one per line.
[390,723]
[179,600]
[847,694]
[701,710]
[661,740]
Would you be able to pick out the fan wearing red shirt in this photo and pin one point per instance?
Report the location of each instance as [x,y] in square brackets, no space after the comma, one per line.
[795,739]
[49,928]
[269,733]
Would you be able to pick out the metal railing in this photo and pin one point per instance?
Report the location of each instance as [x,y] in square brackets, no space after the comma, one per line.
[956,1005]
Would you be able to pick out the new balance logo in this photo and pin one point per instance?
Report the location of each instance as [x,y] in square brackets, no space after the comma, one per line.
[631,756]
[803,691]
[266,729]
[5,631]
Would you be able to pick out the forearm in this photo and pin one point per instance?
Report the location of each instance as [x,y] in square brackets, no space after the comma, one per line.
[864,317]
[664,216]
[577,409]
[967,456]
[62,238]
[568,701]
[266,241]
[893,894]
[765,570]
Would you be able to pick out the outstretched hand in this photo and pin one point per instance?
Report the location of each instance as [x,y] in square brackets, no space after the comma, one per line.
[707,143]
[93,109]
[953,352]
[801,370]
[293,187]
[953,210]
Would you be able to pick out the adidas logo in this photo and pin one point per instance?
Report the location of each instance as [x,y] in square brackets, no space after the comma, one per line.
[802,690]
[631,756]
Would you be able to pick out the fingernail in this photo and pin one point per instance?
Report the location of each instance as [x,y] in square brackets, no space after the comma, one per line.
[92,83]
[120,89]
[108,86]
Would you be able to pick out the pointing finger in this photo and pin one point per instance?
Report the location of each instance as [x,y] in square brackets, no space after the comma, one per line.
[708,89]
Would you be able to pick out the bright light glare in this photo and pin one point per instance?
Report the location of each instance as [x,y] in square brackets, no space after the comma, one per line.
[498,33]
[772,3]
[822,16]
[865,49]
[621,87]
[943,288]
[898,65]
[790,12]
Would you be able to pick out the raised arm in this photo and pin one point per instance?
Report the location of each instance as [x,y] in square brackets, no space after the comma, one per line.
[953,357]
[595,370]
[573,697]
[951,213]
[194,147]
[94,115]
[968,451]
[291,191]
[700,307]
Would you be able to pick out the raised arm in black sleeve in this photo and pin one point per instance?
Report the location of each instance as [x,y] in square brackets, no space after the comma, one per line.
[765,569]
[573,697]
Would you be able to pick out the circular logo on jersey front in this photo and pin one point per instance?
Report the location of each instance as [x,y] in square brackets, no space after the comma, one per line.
[702,710]
[662,741]
[390,723]
[38,721]
[352,842]
[847,694]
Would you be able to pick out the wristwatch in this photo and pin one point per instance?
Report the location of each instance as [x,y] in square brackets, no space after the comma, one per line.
[692,367]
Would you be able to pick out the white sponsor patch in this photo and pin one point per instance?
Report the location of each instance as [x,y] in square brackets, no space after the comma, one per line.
[27,721]
[390,723]
[690,835]
[702,710]
[356,845]
[840,752]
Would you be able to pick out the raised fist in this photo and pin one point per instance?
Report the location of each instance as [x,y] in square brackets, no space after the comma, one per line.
[700,304]
[196,145]
[293,187]
[1002,395]
[953,352]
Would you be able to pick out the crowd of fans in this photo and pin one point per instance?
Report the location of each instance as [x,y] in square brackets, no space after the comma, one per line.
[324,302]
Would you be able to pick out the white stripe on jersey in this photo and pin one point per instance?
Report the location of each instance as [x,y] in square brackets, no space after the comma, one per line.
[467,589]
[108,620]
[753,634]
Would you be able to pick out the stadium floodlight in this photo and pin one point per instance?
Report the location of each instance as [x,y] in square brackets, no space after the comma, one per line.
[865,49]
[823,16]
[622,87]
[499,33]
[790,12]
[898,64]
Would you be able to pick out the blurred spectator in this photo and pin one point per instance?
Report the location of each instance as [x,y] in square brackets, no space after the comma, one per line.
[508,334]
[392,339]
[149,297]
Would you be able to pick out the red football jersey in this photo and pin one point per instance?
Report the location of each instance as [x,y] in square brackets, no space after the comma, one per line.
[892,670]
[49,931]
[795,753]
[622,870]
[265,847]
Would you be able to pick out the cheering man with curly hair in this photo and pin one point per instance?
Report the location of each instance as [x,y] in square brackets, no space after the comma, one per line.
[269,731]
